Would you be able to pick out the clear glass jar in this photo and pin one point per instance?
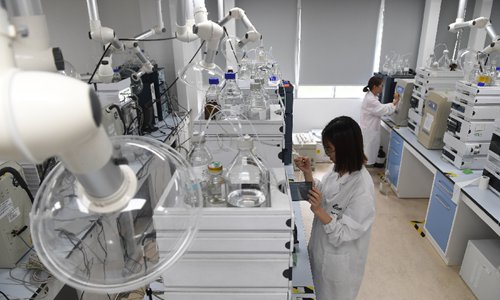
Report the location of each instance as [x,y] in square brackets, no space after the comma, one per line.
[199,157]
[231,98]
[258,104]
[216,185]
[247,179]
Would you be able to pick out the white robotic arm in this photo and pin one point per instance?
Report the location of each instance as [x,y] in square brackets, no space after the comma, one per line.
[252,35]
[31,43]
[481,22]
[30,117]
[192,22]
[105,35]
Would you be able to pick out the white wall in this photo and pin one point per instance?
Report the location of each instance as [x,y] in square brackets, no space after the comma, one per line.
[316,113]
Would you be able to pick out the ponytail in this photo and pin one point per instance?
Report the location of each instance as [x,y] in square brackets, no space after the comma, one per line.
[374,81]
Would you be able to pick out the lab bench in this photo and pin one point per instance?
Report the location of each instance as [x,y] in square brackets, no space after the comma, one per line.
[457,211]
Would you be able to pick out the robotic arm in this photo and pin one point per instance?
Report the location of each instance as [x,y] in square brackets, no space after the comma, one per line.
[190,29]
[252,35]
[481,22]
[105,36]
[31,43]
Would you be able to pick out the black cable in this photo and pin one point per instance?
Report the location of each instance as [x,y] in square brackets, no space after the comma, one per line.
[120,114]
[98,63]
[81,296]
[4,295]
[232,48]
[148,40]
[19,179]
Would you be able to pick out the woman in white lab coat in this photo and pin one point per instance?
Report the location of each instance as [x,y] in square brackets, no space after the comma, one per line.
[371,112]
[344,210]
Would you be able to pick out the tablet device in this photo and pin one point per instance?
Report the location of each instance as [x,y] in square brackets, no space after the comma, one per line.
[300,190]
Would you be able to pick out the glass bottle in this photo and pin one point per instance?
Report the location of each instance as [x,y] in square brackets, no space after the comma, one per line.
[216,185]
[231,98]
[199,157]
[258,105]
[247,180]
[212,99]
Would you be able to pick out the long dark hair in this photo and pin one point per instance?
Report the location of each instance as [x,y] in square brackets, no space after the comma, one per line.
[345,135]
[374,81]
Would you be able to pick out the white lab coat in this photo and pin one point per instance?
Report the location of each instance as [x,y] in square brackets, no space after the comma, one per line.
[338,250]
[371,112]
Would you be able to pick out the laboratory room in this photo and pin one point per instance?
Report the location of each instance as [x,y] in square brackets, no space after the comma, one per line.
[249,149]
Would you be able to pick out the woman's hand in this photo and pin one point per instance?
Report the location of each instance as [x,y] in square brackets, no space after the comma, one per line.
[303,163]
[396,99]
[315,200]
[319,212]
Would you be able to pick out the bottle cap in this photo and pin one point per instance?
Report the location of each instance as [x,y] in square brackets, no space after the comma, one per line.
[480,84]
[213,80]
[215,166]
[245,143]
[497,68]
[230,76]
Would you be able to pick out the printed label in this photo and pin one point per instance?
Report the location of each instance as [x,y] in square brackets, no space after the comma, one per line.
[13,214]
[428,122]
[6,207]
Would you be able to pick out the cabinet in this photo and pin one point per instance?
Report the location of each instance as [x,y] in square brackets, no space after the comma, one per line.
[480,268]
[441,211]
[394,157]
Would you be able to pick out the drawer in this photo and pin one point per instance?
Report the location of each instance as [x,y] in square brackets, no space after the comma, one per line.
[230,271]
[396,142]
[393,165]
[444,184]
[440,217]
[480,268]
[230,241]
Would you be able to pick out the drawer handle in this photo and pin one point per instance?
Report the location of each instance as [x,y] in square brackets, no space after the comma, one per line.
[444,188]
[442,202]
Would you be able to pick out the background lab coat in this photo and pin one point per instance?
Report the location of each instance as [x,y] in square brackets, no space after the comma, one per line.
[338,250]
[371,112]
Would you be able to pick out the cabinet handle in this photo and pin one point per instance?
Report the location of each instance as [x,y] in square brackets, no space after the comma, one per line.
[444,188]
[442,202]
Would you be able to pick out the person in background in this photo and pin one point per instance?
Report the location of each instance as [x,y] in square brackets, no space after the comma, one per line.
[343,203]
[371,112]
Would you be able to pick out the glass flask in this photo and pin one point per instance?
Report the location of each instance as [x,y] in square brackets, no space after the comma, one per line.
[444,62]
[245,71]
[119,249]
[231,98]
[258,104]
[247,180]
[199,157]
[212,105]
[216,185]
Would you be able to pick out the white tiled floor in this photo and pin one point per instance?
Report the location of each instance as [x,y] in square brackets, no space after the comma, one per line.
[401,264]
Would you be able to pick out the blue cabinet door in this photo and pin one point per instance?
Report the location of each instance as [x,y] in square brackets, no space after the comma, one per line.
[394,158]
[441,211]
